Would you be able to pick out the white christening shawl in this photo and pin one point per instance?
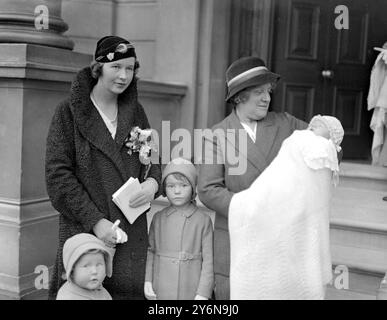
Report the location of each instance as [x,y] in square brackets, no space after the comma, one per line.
[279,227]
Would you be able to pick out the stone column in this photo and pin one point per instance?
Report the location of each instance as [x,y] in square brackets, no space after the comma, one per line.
[33,21]
[36,69]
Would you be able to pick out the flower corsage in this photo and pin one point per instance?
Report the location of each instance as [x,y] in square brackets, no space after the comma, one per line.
[140,141]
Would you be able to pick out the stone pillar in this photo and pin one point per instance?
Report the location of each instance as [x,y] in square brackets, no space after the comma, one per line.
[36,69]
[33,21]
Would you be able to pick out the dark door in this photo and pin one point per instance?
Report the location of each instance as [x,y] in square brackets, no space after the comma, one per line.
[350,57]
[299,56]
[326,70]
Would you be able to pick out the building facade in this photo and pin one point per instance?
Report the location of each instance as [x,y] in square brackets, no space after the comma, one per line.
[184,48]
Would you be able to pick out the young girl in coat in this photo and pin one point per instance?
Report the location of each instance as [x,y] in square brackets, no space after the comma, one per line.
[279,227]
[180,254]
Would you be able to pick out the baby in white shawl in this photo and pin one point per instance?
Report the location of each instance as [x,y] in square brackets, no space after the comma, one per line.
[279,227]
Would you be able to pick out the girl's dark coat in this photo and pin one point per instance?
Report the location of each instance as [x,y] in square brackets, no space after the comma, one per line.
[84,167]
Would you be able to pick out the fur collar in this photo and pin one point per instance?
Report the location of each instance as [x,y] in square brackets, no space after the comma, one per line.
[90,123]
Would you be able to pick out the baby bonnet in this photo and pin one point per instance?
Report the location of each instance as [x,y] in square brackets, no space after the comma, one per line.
[334,126]
[78,245]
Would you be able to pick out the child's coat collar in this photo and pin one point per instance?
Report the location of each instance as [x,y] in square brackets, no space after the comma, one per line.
[186,213]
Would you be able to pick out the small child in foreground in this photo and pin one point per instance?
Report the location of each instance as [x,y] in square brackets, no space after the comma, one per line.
[87,261]
[180,254]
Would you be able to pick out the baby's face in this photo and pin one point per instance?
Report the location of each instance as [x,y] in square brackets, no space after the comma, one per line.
[90,271]
[320,129]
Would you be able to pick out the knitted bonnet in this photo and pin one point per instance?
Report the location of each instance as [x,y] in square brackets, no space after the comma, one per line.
[334,127]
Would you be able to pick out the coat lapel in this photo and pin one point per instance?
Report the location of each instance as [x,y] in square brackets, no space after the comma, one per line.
[91,125]
[254,155]
[125,121]
[267,132]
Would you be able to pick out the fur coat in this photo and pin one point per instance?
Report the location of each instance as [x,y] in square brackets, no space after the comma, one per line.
[84,167]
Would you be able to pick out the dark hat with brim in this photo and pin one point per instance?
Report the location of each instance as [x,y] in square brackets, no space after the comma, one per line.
[248,72]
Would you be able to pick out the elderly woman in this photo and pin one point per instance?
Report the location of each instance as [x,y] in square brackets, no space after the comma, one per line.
[87,161]
[249,85]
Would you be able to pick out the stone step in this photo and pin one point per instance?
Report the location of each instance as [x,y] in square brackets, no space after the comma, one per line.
[359,218]
[358,230]
[363,176]
[362,170]
[366,269]
[358,199]
[336,294]
[361,260]
[361,238]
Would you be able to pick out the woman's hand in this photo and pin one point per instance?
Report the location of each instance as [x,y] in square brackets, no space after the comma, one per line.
[199,297]
[148,291]
[121,236]
[104,230]
[147,193]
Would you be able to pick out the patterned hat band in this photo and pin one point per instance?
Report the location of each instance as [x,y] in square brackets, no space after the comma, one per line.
[121,51]
[247,75]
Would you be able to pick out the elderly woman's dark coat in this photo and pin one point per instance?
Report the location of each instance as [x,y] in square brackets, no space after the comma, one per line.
[84,167]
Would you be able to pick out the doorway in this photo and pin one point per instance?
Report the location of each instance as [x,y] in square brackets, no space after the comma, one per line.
[324,70]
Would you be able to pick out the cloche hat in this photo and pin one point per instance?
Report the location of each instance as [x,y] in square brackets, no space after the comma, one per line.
[184,167]
[247,72]
[113,48]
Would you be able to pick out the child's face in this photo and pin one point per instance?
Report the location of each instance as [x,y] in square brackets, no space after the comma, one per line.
[178,192]
[90,271]
[320,129]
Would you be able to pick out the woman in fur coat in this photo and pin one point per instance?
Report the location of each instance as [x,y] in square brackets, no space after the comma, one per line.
[87,160]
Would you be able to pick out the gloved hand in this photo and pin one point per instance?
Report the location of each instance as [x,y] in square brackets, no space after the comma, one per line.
[121,235]
[199,297]
[148,291]
[104,231]
[147,193]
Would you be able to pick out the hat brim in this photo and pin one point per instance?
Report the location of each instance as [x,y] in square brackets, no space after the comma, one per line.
[259,80]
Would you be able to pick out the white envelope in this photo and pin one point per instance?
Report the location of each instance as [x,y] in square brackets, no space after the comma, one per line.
[121,199]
